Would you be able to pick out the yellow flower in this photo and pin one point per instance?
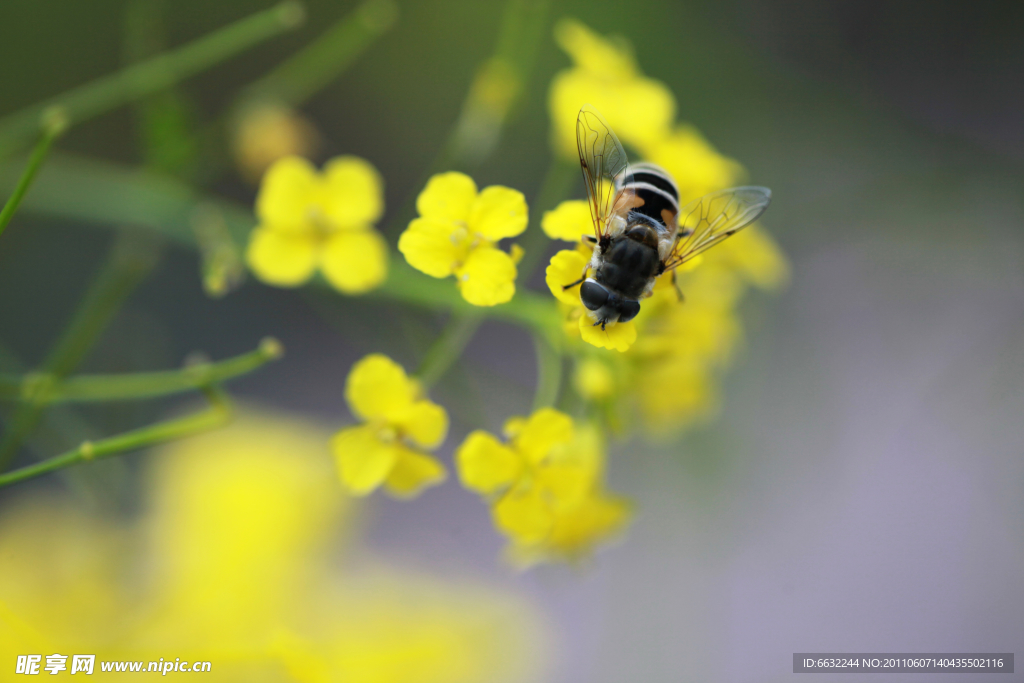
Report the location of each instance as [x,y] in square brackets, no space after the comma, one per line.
[264,132]
[311,220]
[565,267]
[236,562]
[457,233]
[639,109]
[578,527]
[399,425]
[546,473]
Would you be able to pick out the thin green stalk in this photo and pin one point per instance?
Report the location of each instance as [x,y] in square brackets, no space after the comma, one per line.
[152,75]
[549,372]
[557,183]
[448,347]
[54,123]
[216,415]
[131,259]
[109,194]
[39,390]
[307,72]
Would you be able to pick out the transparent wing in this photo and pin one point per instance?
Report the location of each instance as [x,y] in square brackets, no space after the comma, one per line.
[707,221]
[603,162]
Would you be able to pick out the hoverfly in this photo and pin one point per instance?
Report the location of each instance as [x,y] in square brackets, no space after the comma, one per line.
[639,230]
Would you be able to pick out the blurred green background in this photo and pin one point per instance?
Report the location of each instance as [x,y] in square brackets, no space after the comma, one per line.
[861,490]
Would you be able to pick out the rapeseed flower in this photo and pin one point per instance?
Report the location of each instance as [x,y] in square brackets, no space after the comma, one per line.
[544,484]
[310,220]
[398,425]
[236,562]
[604,74]
[457,234]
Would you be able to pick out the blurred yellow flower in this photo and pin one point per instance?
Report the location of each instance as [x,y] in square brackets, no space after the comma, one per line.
[236,563]
[399,425]
[310,220]
[542,483]
[639,109]
[264,132]
[593,379]
[457,233]
[689,158]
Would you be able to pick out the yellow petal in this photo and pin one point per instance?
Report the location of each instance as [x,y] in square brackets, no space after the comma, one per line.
[285,259]
[355,191]
[363,460]
[290,186]
[593,52]
[414,472]
[488,277]
[568,221]
[432,247]
[619,336]
[565,484]
[486,465]
[498,212]
[425,423]
[513,426]
[593,520]
[565,268]
[355,262]
[543,431]
[447,197]
[646,111]
[524,515]
[378,388]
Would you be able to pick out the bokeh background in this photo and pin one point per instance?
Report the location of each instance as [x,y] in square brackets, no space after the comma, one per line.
[861,489]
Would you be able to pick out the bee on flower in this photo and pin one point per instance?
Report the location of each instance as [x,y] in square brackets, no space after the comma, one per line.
[457,234]
[544,485]
[311,220]
[398,425]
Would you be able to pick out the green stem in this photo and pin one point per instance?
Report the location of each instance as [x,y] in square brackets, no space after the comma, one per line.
[218,414]
[106,194]
[55,122]
[131,259]
[36,389]
[307,72]
[549,372]
[406,285]
[152,75]
[448,347]
[556,185]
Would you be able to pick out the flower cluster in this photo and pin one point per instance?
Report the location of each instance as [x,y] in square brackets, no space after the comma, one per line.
[664,373]
[544,485]
[398,425]
[310,220]
[457,234]
[238,560]
[639,109]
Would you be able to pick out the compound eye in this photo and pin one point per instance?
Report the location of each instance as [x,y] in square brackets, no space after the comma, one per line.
[593,295]
[628,311]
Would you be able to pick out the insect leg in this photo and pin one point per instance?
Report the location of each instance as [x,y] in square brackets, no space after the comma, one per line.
[679,292]
[573,284]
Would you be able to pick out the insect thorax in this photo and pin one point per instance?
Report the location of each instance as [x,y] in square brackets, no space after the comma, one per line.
[627,265]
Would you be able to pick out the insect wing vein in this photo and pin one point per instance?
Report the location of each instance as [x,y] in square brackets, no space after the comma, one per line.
[603,161]
[714,217]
